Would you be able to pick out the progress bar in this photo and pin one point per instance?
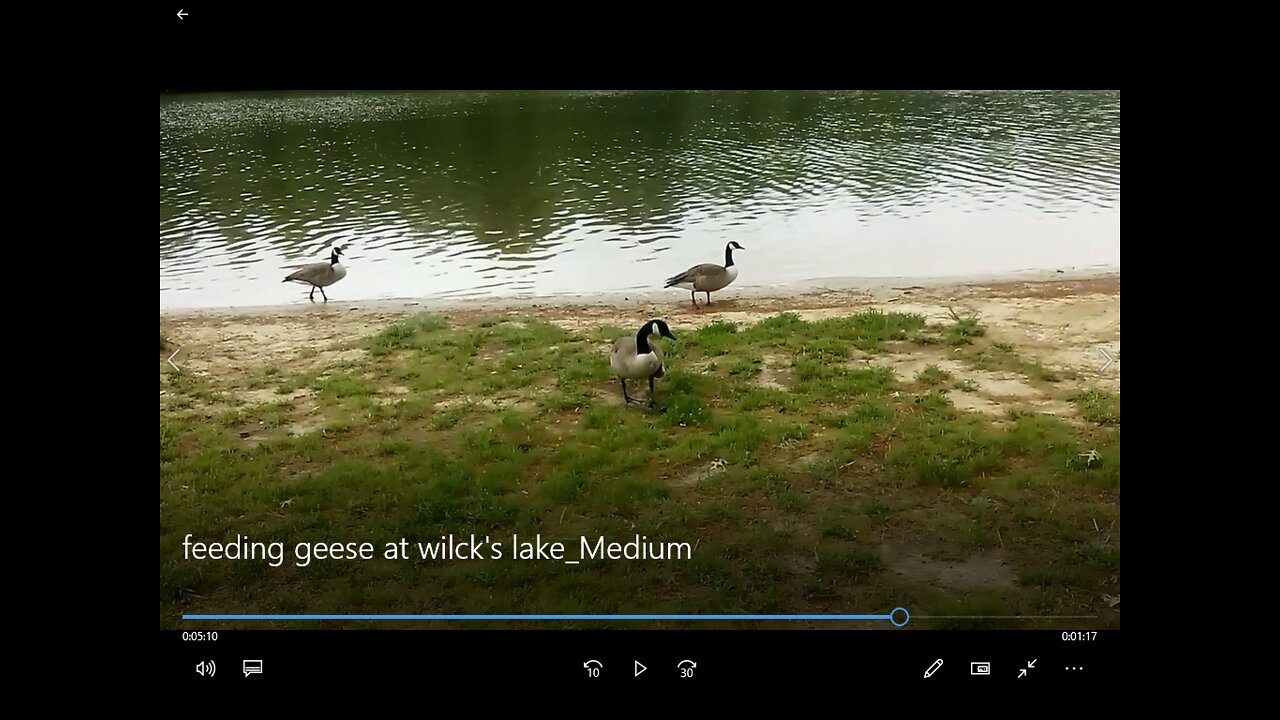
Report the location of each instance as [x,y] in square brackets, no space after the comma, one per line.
[898,617]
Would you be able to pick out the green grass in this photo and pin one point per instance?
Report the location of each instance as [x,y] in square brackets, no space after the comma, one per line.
[1098,406]
[787,493]
[933,376]
[963,330]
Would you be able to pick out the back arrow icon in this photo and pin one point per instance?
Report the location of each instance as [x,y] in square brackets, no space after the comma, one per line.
[171,357]
[182,14]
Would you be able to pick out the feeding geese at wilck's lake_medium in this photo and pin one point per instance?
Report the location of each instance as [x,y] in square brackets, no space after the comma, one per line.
[320,275]
[633,358]
[708,277]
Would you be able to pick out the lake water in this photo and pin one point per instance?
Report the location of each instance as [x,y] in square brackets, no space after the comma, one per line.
[452,195]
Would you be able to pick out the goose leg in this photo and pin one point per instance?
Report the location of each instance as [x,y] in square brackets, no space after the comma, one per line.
[326,297]
[625,396]
[694,296]
[653,404]
[312,296]
[708,298]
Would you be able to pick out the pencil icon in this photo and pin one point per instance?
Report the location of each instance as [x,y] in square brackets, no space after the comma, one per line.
[933,668]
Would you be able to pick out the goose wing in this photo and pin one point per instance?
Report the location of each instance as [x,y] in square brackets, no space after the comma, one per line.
[693,274]
[307,273]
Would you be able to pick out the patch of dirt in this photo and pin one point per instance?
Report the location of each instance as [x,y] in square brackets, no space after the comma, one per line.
[269,396]
[500,403]
[907,361]
[333,357]
[1061,332]
[973,402]
[979,571]
[703,366]
[391,394]
[700,474]
[990,392]
[611,394]
[1004,385]
[312,421]
[226,346]
[775,373]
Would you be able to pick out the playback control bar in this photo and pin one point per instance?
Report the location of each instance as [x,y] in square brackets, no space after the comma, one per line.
[722,658]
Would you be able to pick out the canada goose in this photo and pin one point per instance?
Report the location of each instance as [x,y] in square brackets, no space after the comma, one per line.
[633,358]
[708,277]
[320,275]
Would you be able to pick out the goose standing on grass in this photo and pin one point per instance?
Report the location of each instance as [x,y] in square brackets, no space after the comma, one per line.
[633,358]
[320,275]
[708,277]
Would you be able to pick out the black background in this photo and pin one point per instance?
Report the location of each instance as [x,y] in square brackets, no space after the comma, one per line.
[243,46]
[725,658]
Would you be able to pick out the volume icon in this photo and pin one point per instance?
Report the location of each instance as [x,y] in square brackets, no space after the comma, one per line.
[206,668]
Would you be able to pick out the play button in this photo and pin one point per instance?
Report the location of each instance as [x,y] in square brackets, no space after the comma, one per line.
[640,668]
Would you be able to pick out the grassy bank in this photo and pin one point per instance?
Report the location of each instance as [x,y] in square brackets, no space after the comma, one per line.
[845,465]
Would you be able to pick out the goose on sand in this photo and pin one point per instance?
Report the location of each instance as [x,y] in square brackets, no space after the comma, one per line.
[708,277]
[633,358]
[320,275]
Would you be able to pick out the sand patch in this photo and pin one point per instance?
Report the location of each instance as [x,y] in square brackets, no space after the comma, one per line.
[1059,323]
[993,393]
[222,347]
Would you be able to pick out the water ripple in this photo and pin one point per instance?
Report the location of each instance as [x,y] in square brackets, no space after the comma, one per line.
[488,194]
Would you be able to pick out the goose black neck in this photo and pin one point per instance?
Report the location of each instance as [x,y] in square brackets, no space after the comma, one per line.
[642,339]
[728,255]
[333,259]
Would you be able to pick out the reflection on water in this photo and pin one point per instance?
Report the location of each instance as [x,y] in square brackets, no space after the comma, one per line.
[499,194]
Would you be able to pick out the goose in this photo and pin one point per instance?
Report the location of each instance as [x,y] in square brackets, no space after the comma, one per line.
[320,275]
[708,277]
[633,358]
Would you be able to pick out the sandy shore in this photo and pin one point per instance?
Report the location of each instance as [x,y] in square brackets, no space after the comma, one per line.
[1061,322]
